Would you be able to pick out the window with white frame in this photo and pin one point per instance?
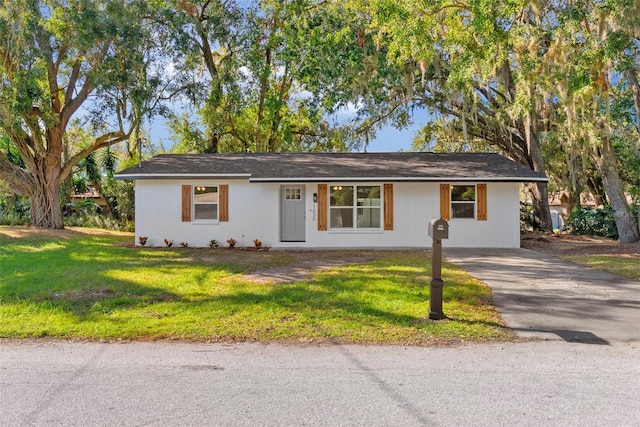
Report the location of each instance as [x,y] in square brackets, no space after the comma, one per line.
[463,201]
[355,206]
[293,193]
[205,203]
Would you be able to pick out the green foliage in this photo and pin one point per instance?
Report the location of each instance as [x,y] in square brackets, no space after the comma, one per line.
[14,209]
[527,218]
[517,75]
[268,64]
[55,57]
[120,195]
[548,84]
[85,216]
[628,151]
[592,222]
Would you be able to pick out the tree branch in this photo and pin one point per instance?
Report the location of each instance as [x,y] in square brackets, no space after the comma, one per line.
[102,141]
[52,77]
[20,182]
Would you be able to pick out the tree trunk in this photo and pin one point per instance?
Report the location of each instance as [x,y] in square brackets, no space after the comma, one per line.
[214,141]
[46,211]
[625,221]
[539,190]
[567,204]
[595,186]
[541,211]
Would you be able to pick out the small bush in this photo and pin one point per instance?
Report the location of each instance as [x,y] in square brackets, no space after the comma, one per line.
[97,221]
[14,210]
[597,222]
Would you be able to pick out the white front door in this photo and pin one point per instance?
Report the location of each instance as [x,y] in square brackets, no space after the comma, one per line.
[292,213]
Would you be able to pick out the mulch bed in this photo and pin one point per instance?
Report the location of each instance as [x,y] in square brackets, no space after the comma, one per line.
[569,245]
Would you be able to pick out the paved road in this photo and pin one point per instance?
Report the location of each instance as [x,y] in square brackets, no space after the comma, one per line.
[542,296]
[526,384]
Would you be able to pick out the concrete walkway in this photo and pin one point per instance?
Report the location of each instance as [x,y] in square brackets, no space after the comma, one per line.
[544,297]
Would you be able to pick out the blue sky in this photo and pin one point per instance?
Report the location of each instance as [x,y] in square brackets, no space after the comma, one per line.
[390,139]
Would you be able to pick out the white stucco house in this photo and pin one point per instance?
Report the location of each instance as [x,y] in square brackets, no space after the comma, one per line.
[329,200]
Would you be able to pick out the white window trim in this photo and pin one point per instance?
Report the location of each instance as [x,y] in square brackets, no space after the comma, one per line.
[452,202]
[297,190]
[193,205]
[355,207]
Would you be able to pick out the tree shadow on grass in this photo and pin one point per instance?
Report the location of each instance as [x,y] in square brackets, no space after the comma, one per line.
[74,277]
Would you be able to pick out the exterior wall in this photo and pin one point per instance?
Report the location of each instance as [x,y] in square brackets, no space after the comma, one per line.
[254,212]
[502,227]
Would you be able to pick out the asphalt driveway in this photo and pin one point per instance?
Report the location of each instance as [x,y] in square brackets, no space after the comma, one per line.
[541,296]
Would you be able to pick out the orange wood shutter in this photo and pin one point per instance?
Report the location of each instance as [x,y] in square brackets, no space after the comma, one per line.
[223,203]
[388,206]
[322,207]
[445,201]
[186,203]
[481,200]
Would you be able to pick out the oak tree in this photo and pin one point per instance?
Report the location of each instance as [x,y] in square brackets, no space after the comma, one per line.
[60,60]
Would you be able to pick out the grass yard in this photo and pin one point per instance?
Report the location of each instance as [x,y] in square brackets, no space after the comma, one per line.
[91,284]
[594,252]
[625,266]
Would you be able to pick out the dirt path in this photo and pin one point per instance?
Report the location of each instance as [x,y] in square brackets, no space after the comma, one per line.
[306,263]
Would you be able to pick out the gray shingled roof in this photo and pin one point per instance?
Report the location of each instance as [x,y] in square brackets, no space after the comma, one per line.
[278,167]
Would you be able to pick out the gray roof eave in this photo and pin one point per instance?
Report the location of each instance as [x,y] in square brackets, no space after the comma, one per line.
[402,179]
[137,176]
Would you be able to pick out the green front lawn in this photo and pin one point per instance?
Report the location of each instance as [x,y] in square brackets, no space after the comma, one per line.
[91,284]
[621,265]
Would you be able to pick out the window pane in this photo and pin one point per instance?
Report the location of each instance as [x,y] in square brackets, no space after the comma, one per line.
[368,217]
[341,196]
[205,195]
[463,193]
[206,211]
[369,195]
[341,218]
[463,210]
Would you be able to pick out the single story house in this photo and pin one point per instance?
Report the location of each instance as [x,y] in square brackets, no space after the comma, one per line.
[329,200]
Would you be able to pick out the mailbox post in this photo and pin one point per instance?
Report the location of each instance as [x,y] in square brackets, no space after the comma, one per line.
[438,230]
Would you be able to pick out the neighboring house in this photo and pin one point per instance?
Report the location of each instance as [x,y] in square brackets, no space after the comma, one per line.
[92,195]
[329,200]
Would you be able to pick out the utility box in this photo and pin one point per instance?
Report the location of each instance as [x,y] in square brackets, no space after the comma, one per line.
[438,229]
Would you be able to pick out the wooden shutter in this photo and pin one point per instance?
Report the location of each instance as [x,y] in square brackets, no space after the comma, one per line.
[322,207]
[481,201]
[445,201]
[223,203]
[388,206]
[186,203]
